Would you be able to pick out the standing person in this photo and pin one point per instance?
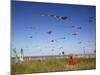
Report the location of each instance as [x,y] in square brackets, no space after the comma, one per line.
[21,56]
[71,61]
[71,64]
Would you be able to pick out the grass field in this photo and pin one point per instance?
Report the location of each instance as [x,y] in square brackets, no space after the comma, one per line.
[52,65]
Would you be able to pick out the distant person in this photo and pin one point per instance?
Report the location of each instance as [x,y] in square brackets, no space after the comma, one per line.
[71,63]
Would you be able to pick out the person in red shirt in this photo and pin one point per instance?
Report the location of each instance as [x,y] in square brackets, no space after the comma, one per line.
[71,63]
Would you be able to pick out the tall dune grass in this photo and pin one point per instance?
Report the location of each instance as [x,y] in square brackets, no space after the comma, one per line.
[52,65]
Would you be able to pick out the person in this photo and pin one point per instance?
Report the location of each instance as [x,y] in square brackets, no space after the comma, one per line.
[71,63]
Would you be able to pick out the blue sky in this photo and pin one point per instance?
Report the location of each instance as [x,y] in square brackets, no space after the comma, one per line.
[29,14]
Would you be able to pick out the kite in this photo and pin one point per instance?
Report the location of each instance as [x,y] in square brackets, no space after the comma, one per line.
[49,32]
[64,18]
[21,56]
[79,27]
[14,50]
[75,33]
[62,38]
[80,42]
[30,37]
[57,39]
[91,19]
[52,40]
[94,51]
[73,26]
[16,56]
[58,17]
[29,27]
[63,53]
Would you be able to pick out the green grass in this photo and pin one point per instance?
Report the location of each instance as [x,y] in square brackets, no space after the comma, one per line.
[52,65]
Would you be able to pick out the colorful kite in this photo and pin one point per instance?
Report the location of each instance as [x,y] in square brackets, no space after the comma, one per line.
[15,54]
[21,56]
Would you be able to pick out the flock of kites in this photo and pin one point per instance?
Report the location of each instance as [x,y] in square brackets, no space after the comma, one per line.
[61,18]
